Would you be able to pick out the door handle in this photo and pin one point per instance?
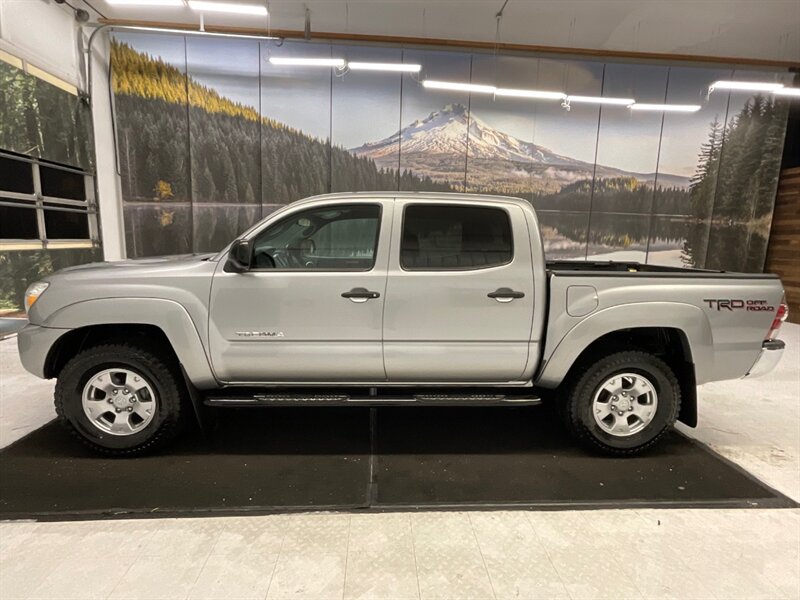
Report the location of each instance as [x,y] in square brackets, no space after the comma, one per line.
[505,294]
[360,295]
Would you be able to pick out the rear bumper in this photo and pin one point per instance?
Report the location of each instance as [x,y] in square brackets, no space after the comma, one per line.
[771,352]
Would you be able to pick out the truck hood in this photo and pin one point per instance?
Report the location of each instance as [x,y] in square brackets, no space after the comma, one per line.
[132,265]
[182,279]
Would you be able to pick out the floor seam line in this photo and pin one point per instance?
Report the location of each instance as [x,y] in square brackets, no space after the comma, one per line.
[414,552]
[130,566]
[205,562]
[277,560]
[480,551]
[347,554]
[547,554]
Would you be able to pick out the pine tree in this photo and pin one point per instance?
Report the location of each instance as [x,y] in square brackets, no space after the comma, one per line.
[703,182]
[204,186]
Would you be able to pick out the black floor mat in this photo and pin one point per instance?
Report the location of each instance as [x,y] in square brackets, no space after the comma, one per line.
[289,458]
[314,458]
[522,456]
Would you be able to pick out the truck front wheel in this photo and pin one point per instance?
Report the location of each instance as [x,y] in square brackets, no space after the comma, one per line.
[623,404]
[120,399]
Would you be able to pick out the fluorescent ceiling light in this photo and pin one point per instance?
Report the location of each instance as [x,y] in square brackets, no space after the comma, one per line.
[146,2]
[666,107]
[307,62]
[459,87]
[530,94]
[195,32]
[795,92]
[226,7]
[490,89]
[371,66]
[751,86]
[601,100]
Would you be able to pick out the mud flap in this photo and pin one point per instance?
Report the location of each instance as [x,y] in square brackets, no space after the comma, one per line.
[688,383]
[205,416]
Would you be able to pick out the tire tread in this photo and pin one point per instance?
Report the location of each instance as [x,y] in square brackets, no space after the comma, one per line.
[171,399]
[572,406]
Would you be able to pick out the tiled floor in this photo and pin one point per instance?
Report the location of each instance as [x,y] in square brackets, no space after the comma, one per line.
[655,553]
[520,554]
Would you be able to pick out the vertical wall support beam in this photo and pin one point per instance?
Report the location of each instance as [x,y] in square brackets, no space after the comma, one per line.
[109,188]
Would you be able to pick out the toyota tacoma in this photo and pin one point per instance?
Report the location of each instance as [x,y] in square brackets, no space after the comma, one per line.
[386,298]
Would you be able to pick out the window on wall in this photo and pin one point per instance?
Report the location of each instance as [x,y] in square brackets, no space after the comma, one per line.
[17,221]
[45,206]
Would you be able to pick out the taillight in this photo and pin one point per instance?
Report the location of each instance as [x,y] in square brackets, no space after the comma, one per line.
[780,317]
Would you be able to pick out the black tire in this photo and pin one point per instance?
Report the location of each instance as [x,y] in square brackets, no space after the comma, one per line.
[577,407]
[158,369]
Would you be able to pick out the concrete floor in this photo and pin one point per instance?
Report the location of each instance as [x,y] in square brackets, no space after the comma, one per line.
[626,553]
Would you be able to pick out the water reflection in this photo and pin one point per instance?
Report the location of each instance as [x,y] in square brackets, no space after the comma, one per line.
[655,239]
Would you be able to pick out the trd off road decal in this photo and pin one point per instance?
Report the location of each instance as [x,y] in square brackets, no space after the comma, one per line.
[738,304]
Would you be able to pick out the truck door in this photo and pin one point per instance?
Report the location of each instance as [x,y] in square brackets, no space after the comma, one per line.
[459,300]
[311,307]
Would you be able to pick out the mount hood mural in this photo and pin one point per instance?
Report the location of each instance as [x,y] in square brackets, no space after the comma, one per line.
[436,145]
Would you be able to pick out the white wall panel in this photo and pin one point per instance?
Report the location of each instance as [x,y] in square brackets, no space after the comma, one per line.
[43,33]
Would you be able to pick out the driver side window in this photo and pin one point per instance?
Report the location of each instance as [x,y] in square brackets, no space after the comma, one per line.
[340,237]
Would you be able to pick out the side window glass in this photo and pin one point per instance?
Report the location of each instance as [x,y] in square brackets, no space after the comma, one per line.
[339,237]
[438,238]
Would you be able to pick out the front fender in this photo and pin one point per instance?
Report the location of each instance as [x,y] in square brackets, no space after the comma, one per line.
[168,315]
[687,318]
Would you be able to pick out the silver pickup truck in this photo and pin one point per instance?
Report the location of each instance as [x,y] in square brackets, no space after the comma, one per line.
[393,298]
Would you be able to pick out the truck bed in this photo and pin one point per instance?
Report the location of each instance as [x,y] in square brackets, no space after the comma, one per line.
[615,268]
[722,316]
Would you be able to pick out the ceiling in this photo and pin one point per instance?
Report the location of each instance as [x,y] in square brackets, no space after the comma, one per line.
[752,29]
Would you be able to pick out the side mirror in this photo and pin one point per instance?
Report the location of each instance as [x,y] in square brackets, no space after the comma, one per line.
[239,257]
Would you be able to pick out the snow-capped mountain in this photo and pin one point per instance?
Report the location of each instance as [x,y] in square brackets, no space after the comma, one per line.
[445,132]
[436,146]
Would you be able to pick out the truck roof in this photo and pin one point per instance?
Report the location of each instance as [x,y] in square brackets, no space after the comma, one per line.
[419,196]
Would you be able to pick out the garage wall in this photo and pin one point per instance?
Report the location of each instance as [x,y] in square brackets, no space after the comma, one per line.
[212,137]
[50,44]
[48,212]
[784,242]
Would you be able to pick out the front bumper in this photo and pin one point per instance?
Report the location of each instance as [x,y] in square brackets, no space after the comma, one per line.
[34,343]
[771,352]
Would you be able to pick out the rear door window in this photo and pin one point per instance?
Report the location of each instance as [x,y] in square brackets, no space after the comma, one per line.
[453,237]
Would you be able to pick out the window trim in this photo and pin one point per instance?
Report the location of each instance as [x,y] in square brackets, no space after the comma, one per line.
[453,269]
[255,236]
[40,203]
[57,209]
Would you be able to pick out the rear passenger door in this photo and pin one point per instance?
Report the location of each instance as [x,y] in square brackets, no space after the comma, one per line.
[459,302]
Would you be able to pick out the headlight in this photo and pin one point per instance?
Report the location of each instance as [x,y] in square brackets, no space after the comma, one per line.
[33,292]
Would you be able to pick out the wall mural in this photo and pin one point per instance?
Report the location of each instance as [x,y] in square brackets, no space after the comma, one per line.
[212,137]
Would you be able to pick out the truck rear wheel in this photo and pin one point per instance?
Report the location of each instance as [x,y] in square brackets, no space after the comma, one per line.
[623,404]
[120,399]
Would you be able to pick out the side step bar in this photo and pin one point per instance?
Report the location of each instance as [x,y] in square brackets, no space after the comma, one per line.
[306,399]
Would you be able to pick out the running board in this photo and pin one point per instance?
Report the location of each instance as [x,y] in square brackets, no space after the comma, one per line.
[235,400]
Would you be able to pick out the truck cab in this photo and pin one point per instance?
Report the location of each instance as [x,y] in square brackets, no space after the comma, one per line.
[379,289]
